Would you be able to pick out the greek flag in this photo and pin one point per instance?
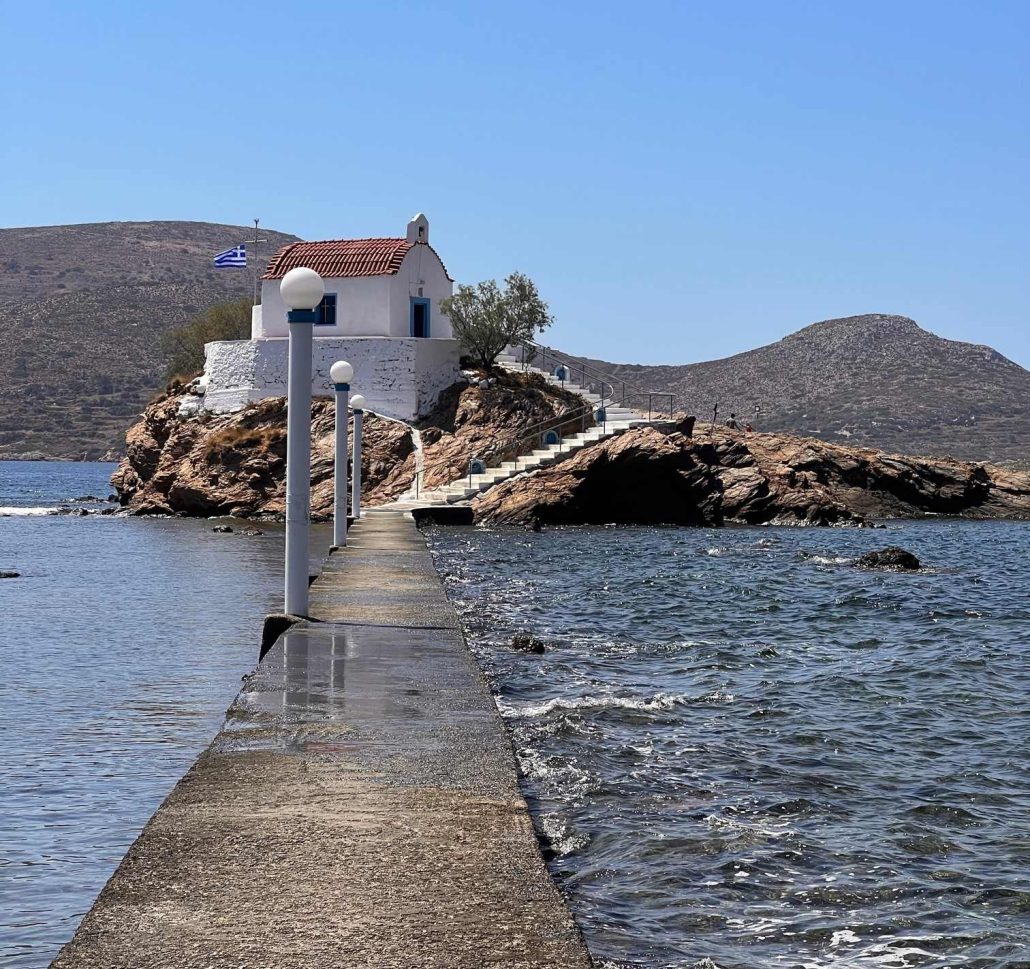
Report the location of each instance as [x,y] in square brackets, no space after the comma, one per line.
[234,258]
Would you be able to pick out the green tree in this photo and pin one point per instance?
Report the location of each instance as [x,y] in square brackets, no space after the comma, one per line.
[486,318]
[183,347]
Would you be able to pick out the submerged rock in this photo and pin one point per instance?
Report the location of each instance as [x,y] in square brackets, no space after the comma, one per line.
[526,643]
[889,558]
[223,529]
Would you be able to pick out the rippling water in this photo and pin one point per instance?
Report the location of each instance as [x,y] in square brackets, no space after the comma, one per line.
[124,642]
[745,752]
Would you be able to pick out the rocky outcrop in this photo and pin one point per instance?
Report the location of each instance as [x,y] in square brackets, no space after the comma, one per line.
[654,476]
[180,460]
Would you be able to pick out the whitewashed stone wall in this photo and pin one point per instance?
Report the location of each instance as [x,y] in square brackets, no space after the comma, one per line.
[401,378]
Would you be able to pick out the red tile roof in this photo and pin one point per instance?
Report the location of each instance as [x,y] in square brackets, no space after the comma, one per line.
[342,258]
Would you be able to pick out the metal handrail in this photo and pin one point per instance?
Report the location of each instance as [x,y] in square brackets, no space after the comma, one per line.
[511,448]
[535,430]
[530,349]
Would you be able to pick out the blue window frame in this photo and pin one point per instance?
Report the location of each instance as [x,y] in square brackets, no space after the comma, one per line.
[327,311]
[419,317]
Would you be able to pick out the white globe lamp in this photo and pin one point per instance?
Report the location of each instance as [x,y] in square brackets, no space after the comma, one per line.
[302,289]
[341,372]
[357,402]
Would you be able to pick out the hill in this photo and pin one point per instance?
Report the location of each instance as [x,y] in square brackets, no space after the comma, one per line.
[82,312]
[876,381]
[83,309]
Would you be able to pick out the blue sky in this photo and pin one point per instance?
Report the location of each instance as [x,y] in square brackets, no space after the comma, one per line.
[683,180]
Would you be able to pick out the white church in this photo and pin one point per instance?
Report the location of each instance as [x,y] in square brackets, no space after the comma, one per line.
[381,312]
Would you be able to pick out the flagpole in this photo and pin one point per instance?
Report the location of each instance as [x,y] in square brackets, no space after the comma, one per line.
[255,262]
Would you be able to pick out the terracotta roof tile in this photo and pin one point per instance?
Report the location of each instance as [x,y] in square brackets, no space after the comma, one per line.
[342,258]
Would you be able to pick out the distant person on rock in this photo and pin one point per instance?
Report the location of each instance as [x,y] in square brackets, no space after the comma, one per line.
[733,422]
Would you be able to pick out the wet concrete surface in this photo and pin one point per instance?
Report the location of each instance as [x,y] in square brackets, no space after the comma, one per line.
[360,806]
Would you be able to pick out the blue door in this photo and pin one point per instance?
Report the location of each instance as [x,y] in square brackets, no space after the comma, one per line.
[419,317]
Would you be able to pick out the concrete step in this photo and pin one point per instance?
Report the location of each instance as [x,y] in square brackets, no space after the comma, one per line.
[618,421]
[480,482]
[536,458]
[456,487]
[491,475]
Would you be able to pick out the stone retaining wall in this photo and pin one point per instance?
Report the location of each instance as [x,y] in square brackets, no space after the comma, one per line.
[399,377]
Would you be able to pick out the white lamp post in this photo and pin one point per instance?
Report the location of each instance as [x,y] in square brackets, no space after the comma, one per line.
[302,290]
[340,373]
[357,404]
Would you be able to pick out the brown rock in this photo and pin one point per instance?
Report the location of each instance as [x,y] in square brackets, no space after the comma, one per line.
[642,477]
[235,464]
[742,489]
[651,476]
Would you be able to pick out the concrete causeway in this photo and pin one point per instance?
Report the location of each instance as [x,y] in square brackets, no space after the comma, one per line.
[359,807]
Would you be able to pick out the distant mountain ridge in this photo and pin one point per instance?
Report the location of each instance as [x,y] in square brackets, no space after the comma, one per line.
[877,380]
[83,309]
[82,312]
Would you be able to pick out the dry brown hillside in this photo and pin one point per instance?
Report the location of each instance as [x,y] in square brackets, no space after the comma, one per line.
[82,312]
[876,380]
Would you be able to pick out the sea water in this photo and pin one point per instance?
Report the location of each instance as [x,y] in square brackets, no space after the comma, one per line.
[124,640]
[740,750]
[743,751]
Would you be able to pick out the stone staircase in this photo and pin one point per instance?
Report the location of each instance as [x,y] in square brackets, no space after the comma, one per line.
[618,421]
